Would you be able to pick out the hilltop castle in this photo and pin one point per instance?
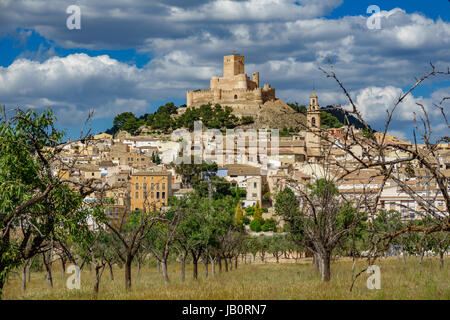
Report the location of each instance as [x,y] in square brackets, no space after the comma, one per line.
[234,89]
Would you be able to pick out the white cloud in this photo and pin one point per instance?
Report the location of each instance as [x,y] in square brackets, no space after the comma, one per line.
[286,43]
[75,84]
[251,10]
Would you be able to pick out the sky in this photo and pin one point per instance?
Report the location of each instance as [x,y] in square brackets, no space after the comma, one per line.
[136,55]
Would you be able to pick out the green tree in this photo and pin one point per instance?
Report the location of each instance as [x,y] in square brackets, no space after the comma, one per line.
[35,204]
[257,214]
[239,215]
[320,220]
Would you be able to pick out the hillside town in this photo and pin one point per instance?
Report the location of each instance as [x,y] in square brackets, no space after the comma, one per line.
[140,170]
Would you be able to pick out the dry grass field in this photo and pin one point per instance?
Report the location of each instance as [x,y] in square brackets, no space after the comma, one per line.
[252,281]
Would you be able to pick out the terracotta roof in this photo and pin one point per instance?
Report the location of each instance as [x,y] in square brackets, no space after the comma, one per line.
[152,173]
[242,170]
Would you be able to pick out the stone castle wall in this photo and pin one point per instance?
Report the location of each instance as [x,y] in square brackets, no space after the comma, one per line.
[234,88]
[231,97]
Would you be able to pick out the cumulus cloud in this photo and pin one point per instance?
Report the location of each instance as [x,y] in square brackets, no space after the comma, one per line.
[286,42]
[254,10]
[75,84]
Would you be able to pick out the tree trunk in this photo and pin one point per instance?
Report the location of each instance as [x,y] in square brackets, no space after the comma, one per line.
[111,273]
[226,264]
[48,267]
[63,268]
[159,266]
[98,275]
[128,273]
[195,265]
[213,267]
[231,263]
[421,255]
[236,262]
[316,261]
[441,259]
[220,264]
[24,277]
[29,271]
[205,264]
[164,270]
[325,266]
[183,268]
[404,257]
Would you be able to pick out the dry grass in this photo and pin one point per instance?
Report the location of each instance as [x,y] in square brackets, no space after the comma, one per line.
[255,281]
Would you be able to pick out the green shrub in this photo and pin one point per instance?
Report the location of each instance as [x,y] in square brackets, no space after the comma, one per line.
[246,220]
[269,225]
[255,225]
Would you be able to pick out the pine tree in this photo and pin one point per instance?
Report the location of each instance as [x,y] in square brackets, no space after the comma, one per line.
[239,215]
[257,214]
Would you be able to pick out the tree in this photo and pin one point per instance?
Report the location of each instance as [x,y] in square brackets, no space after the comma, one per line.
[239,216]
[255,225]
[156,159]
[127,121]
[159,240]
[191,173]
[321,220]
[35,202]
[277,246]
[127,238]
[257,214]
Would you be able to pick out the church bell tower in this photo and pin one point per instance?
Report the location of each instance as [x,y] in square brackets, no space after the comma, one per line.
[313,123]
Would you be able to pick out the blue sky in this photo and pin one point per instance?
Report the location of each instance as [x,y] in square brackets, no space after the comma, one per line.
[139,55]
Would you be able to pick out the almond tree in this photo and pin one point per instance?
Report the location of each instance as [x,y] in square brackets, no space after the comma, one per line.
[35,201]
[318,218]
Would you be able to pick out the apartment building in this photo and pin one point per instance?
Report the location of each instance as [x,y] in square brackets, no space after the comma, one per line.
[150,190]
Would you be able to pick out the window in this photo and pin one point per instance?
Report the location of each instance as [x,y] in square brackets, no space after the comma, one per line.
[152,187]
[255,185]
[157,186]
[163,186]
[235,97]
[136,195]
[163,195]
[254,195]
[313,122]
[137,186]
[157,195]
[153,195]
[144,187]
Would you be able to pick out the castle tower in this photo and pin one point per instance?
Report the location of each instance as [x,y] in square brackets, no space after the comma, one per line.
[256,78]
[313,123]
[233,65]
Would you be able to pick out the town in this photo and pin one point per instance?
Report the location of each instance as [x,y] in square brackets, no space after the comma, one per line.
[141,168]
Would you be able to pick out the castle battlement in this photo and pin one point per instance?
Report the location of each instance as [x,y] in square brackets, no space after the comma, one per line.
[234,88]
